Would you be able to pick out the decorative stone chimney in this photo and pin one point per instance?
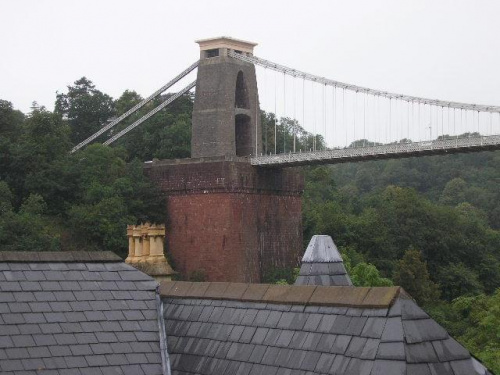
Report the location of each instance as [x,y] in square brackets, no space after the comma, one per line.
[145,250]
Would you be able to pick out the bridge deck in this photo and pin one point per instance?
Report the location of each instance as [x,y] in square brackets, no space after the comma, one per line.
[393,151]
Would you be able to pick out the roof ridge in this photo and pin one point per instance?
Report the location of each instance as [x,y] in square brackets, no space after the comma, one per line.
[59,257]
[342,296]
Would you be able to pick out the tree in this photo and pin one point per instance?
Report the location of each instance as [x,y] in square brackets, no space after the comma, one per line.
[366,274]
[281,135]
[86,108]
[360,272]
[167,135]
[411,273]
[112,194]
[458,280]
[37,158]
[27,229]
[6,198]
[475,322]
[10,120]
[454,192]
[482,334]
[10,131]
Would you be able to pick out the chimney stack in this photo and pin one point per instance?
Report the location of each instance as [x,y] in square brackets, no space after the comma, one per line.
[145,250]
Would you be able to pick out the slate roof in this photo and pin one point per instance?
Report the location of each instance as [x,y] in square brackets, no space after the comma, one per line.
[232,328]
[322,264]
[77,313]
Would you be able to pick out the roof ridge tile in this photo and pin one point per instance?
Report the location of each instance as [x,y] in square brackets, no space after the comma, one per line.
[58,257]
[343,296]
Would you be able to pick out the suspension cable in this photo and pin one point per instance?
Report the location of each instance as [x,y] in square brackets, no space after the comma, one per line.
[136,107]
[330,82]
[294,123]
[283,119]
[151,113]
[275,115]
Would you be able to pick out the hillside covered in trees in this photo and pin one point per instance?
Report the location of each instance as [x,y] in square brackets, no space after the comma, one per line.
[430,224]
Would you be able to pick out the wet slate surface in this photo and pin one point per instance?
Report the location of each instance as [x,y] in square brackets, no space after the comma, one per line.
[77,318]
[327,274]
[231,337]
[322,264]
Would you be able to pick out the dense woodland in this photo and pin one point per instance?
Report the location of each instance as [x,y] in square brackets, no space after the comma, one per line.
[429,224]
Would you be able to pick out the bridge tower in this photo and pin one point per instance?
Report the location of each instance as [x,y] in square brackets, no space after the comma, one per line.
[226,115]
[228,220]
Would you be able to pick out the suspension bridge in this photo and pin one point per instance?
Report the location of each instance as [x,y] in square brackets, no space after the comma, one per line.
[315,120]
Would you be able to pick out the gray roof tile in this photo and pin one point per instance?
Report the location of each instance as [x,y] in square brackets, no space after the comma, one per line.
[463,367]
[340,345]
[6,342]
[359,367]
[422,352]
[418,369]
[310,340]
[284,338]
[373,327]
[393,330]
[61,317]
[391,350]
[410,310]
[80,350]
[423,330]
[325,363]
[325,343]
[440,368]
[11,365]
[370,349]
[38,352]
[22,340]
[384,367]
[340,364]
[449,350]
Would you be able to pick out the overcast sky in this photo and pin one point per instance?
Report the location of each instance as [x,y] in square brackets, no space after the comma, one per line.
[446,49]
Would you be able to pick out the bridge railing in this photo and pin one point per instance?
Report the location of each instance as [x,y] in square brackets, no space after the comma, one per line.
[340,155]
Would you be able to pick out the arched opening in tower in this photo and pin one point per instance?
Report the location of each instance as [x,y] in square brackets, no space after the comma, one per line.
[241,95]
[243,135]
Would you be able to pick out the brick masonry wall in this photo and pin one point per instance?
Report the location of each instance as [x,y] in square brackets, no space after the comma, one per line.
[229,220]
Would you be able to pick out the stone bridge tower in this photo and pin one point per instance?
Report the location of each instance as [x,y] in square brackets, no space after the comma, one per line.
[226,115]
[228,220]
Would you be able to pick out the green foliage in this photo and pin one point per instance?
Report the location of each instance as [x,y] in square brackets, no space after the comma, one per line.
[85,107]
[10,120]
[361,273]
[167,135]
[454,192]
[411,273]
[112,194]
[366,274]
[458,280]
[25,229]
[286,135]
[475,322]
[52,200]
